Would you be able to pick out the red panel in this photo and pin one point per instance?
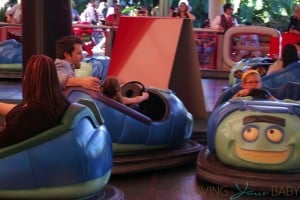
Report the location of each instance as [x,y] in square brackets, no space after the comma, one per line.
[289,38]
[274,47]
[145,49]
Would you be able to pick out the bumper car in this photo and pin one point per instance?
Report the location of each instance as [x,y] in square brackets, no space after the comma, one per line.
[261,64]
[155,131]
[10,59]
[280,84]
[72,160]
[254,143]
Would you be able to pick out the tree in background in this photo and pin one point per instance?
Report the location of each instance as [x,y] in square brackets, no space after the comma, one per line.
[273,13]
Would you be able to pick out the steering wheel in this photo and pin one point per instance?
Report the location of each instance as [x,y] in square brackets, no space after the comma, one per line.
[132,89]
[259,94]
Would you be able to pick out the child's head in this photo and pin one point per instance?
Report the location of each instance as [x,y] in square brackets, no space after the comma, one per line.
[111,88]
[251,79]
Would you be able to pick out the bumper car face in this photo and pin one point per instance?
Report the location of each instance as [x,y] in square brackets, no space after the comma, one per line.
[257,140]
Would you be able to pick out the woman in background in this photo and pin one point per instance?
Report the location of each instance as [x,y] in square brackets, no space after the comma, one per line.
[183,11]
[288,56]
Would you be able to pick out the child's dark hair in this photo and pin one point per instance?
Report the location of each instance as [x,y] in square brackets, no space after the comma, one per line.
[111,88]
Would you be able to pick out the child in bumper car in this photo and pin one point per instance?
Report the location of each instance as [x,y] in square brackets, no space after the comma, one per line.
[252,86]
[111,88]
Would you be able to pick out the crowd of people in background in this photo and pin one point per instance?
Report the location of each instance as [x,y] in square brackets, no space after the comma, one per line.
[102,13]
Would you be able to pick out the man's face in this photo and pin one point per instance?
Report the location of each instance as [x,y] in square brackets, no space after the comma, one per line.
[229,11]
[117,9]
[297,12]
[76,56]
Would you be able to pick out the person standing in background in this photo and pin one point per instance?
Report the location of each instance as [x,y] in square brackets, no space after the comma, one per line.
[75,14]
[183,11]
[226,20]
[14,15]
[90,14]
[114,18]
[294,25]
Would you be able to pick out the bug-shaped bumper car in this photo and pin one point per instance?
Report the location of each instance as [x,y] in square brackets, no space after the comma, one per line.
[159,123]
[253,142]
[72,160]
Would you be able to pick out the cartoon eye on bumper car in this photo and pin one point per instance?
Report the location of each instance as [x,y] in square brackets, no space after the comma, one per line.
[72,160]
[253,141]
[161,122]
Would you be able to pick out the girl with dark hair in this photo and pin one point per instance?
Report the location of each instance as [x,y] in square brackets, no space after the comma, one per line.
[43,103]
[289,55]
[112,89]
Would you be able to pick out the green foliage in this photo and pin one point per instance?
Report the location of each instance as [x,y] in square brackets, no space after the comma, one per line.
[2,14]
[200,10]
[274,13]
[80,5]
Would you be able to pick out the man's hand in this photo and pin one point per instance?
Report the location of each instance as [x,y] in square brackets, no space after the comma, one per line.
[91,83]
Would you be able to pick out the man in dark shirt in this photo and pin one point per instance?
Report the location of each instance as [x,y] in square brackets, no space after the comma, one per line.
[294,25]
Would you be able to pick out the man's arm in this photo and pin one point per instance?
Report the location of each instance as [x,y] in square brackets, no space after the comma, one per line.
[215,23]
[91,83]
[67,78]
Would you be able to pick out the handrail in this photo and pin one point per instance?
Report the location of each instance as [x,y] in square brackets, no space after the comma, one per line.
[91,26]
[109,27]
[9,24]
[207,30]
[73,25]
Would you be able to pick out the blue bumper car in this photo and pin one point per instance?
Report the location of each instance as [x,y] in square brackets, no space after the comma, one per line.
[282,85]
[261,64]
[10,59]
[72,160]
[252,143]
[11,62]
[160,123]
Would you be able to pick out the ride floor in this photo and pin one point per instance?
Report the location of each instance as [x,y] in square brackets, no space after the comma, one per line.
[176,183]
